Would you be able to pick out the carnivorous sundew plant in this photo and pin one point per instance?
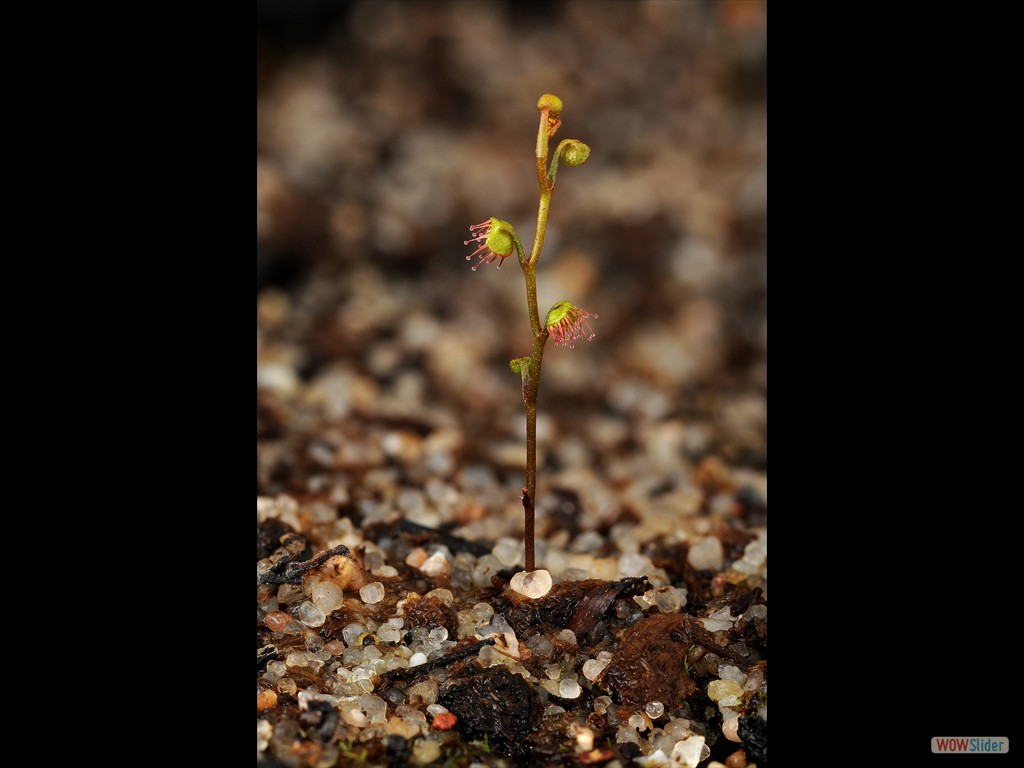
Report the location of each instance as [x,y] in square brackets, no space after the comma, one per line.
[564,323]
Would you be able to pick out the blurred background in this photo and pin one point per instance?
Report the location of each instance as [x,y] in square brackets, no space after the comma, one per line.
[384,129]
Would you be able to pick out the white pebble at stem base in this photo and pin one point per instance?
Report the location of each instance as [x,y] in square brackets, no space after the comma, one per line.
[532,584]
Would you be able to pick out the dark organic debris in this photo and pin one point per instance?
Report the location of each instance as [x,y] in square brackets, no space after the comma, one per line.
[745,601]
[753,631]
[268,760]
[629,751]
[431,612]
[288,571]
[601,597]
[548,745]
[650,663]
[268,536]
[492,703]
[575,605]
[411,673]
[319,720]
[398,751]
[753,733]
[734,540]
[706,640]
[454,543]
